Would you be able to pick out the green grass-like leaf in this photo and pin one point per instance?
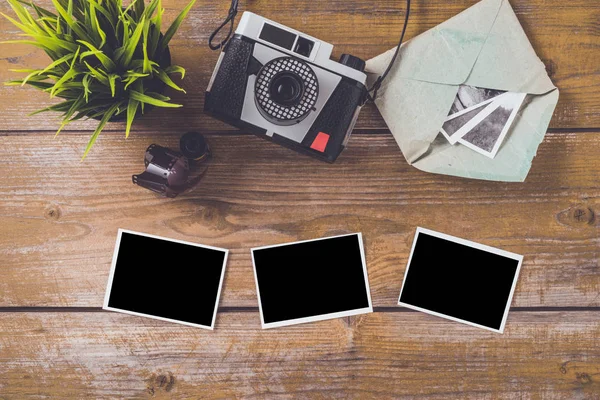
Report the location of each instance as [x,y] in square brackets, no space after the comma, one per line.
[132,108]
[175,25]
[107,63]
[112,79]
[153,99]
[175,69]
[103,57]
[99,74]
[95,24]
[68,16]
[107,115]
[132,44]
[162,75]
[68,75]
[56,63]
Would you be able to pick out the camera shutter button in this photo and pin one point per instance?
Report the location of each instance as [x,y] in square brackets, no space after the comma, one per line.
[352,62]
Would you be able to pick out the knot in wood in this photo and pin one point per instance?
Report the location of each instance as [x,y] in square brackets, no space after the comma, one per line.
[584,215]
[583,378]
[52,212]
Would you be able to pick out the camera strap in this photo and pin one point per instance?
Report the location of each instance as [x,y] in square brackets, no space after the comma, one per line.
[233,10]
[371,92]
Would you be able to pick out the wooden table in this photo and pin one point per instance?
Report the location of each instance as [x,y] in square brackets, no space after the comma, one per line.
[59,218]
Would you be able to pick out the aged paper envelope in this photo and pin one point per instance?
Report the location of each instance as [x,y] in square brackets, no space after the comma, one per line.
[483,46]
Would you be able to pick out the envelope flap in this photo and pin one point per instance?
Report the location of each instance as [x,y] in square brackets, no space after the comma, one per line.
[508,61]
[446,53]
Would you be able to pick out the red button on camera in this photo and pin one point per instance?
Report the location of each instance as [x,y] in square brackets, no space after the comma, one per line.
[320,142]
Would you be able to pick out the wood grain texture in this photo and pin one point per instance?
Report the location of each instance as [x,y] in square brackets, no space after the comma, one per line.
[564,34]
[543,355]
[60,216]
[59,219]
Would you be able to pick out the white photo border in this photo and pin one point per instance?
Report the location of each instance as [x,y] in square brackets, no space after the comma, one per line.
[480,117]
[321,317]
[454,138]
[111,275]
[473,122]
[475,245]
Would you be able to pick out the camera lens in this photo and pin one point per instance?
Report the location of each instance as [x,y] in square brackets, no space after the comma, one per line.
[286,89]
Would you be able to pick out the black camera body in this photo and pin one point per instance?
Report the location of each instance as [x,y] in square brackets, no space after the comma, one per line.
[281,84]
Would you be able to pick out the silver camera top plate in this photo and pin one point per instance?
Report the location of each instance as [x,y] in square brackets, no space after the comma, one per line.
[294,43]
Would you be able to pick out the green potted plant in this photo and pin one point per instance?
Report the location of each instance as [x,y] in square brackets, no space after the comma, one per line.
[109,62]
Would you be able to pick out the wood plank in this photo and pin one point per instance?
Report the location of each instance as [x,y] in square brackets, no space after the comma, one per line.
[107,355]
[564,34]
[59,217]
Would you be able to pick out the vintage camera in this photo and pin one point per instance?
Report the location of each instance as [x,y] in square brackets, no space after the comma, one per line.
[282,85]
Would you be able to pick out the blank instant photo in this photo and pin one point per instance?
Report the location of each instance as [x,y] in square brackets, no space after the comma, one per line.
[311,280]
[460,280]
[166,279]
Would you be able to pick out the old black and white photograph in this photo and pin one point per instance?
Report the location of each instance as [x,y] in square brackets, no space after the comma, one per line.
[458,120]
[490,129]
[468,103]
[469,96]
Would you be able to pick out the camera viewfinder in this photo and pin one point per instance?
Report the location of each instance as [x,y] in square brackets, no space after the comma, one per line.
[304,46]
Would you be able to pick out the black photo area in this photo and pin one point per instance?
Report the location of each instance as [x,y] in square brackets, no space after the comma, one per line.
[459,281]
[310,279]
[166,279]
